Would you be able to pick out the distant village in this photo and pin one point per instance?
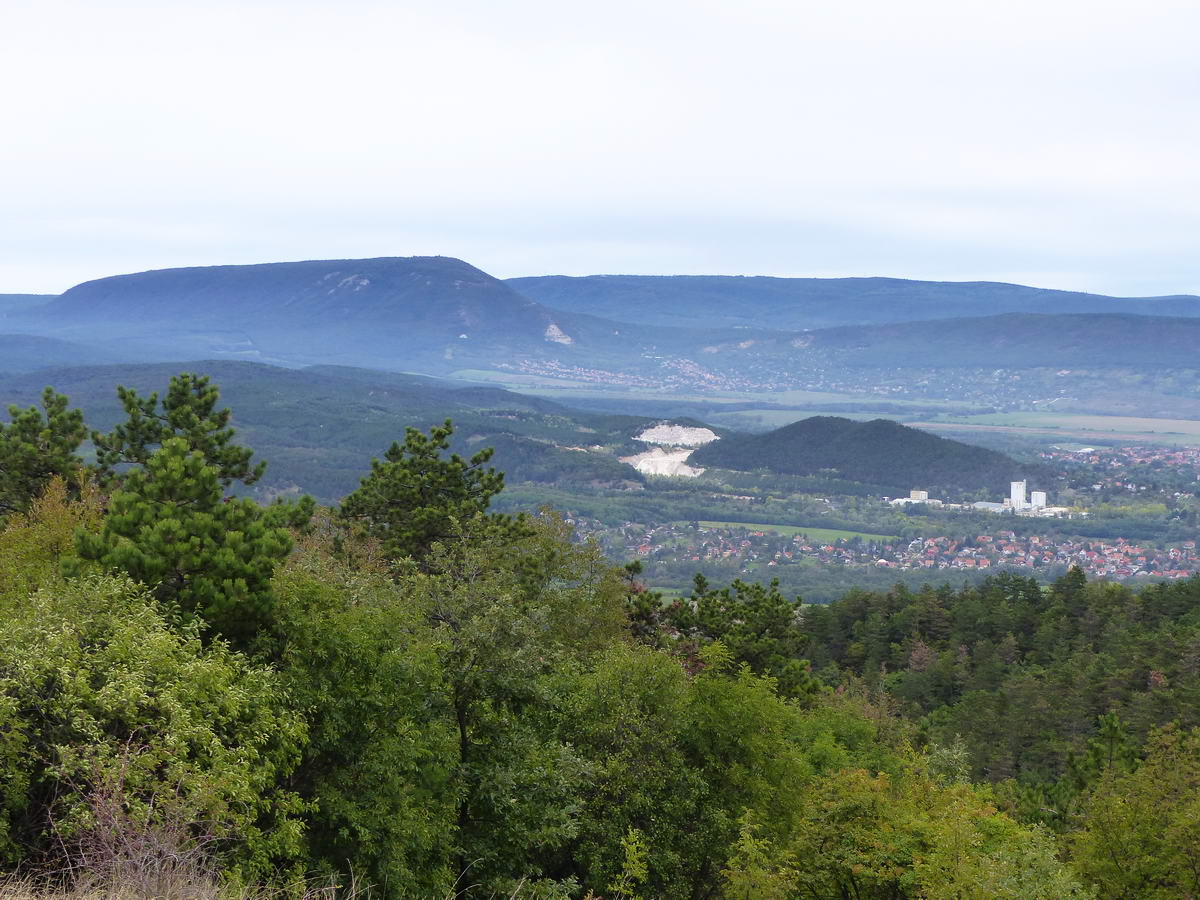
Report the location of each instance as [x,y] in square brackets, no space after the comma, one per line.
[754,548]
[1019,501]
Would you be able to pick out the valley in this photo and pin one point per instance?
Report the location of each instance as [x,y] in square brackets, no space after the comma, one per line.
[326,362]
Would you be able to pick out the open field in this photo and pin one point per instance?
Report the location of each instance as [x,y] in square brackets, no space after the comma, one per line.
[828,535]
[766,419]
[797,400]
[1066,425]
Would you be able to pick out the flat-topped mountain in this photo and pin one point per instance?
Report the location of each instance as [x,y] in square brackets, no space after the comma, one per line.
[785,304]
[880,452]
[398,311]
[431,291]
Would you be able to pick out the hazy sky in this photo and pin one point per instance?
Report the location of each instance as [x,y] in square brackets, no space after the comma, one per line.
[1050,142]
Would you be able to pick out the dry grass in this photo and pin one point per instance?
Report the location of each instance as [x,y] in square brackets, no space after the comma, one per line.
[172,889]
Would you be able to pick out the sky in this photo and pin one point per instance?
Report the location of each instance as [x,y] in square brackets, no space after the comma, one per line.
[1045,142]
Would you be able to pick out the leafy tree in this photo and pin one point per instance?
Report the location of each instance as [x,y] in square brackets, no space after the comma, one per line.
[887,837]
[35,544]
[101,691]
[170,528]
[35,446]
[1140,831]
[380,760]
[189,411]
[415,496]
[500,639]
[678,759]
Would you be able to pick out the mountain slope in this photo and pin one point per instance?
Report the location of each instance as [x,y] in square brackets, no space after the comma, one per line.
[716,301]
[1011,341]
[318,428]
[436,313]
[879,452]
[28,353]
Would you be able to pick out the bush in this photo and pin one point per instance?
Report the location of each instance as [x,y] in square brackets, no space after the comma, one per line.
[98,688]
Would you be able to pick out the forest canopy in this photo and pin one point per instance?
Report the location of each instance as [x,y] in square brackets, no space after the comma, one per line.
[416,695]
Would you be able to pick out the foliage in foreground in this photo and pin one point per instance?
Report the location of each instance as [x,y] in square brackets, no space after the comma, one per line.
[442,701]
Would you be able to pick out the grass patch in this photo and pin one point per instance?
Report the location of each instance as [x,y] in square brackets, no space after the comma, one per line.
[1083,427]
[824,535]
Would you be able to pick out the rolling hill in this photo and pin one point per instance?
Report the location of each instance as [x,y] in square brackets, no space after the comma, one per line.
[880,452]
[28,353]
[14,302]
[319,427]
[792,304]
[1010,340]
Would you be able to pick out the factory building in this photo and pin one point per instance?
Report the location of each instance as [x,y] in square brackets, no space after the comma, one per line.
[1016,496]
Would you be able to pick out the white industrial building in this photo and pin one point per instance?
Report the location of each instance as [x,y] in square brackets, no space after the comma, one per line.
[1020,500]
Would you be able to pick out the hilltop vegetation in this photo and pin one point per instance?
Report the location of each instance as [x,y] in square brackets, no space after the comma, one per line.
[881,453]
[320,426]
[196,690]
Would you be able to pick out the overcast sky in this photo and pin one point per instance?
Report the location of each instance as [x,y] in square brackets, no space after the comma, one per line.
[1048,142]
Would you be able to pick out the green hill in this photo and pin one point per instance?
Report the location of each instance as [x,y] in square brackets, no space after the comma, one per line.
[319,427]
[882,453]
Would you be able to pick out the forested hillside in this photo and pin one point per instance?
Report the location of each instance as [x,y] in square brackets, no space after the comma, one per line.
[321,425]
[409,694]
[423,313]
[885,454]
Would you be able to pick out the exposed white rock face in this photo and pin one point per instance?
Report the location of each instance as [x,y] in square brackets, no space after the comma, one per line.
[676,435]
[557,335]
[663,462]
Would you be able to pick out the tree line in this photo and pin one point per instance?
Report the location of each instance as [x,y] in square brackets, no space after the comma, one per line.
[438,699]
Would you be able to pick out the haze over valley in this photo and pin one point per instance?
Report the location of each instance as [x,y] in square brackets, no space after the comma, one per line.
[648,450]
[325,362]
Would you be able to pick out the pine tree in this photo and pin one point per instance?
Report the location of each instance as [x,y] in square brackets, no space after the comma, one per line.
[189,411]
[35,446]
[171,528]
[416,496]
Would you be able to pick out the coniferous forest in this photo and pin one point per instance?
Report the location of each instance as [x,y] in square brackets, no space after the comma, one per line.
[410,695]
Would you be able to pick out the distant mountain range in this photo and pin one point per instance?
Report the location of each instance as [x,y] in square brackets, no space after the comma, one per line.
[10,303]
[416,313]
[439,315]
[794,304]
[1010,340]
[880,452]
